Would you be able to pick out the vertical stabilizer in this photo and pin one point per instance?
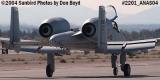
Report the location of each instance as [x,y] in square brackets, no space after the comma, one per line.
[14,29]
[102,31]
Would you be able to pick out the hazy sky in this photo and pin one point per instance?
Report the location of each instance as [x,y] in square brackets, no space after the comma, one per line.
[36,15]
[125,9]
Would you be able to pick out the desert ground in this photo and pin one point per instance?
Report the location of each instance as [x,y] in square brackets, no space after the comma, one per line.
[77,66]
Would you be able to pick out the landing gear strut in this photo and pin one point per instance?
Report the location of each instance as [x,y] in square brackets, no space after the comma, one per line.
[115,71]
[114,66]
[50,68]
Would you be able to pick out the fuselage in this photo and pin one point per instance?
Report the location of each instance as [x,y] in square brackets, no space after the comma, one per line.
[81,42]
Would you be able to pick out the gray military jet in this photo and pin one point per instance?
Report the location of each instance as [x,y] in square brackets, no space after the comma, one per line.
[98,34]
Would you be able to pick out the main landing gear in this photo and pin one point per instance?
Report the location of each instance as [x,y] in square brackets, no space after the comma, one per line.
[4,51]
[124,67]
[50,68]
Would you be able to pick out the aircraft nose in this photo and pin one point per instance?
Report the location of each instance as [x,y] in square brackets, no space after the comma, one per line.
[53,40]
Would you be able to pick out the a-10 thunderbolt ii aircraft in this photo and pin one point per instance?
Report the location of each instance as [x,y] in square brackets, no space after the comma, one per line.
[98,34]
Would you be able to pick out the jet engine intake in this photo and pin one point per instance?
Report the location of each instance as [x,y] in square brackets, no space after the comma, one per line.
[89,29]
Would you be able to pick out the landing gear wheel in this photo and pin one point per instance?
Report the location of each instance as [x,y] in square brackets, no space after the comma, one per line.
[115,71]
[3,51]
[127,70]
[49,71]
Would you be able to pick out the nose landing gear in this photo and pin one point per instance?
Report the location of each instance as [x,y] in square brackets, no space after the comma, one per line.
[50,68]
[49,71]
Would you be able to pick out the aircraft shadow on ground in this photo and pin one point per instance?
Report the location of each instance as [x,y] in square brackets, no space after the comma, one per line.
[133,76]
[60,77]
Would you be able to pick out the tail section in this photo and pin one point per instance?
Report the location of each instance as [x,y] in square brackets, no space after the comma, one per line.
[14,29]
[102,31]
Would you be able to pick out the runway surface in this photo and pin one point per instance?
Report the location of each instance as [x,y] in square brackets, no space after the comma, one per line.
[141,70]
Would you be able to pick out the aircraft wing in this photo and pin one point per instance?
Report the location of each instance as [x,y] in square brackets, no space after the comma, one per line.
[4,39]
[6,42]
[44,49]
[29,42]
[129,46]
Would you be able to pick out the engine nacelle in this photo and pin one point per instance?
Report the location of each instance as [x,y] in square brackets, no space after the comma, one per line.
[89,27]
[53,26]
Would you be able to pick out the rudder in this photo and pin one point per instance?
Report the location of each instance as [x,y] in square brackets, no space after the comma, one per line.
[14,29]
